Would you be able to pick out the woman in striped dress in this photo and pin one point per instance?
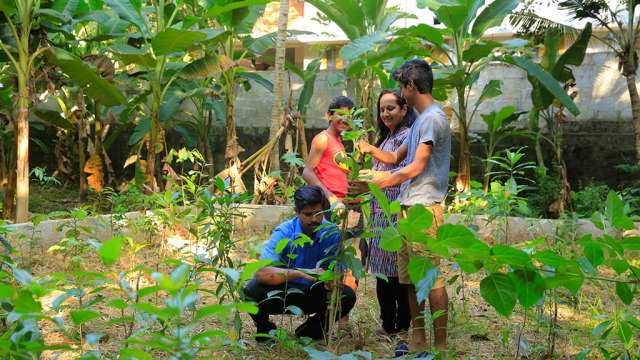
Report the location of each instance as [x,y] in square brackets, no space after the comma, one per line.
[394,122]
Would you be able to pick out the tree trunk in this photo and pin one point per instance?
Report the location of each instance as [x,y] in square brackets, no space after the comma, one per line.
[629,72]
[82,141]
[278,91]
[463,182]
[22,152]
[10,193]
[208,151]
[232,146]
[534,116]
[152,144]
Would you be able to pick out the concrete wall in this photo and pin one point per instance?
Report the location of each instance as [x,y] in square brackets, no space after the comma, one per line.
[262,219]
[602,94]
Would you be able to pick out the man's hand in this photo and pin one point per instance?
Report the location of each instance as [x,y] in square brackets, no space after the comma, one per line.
[358,187]
[307,274]
[368,174]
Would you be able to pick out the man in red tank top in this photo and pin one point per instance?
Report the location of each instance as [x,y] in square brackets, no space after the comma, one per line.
[326,165]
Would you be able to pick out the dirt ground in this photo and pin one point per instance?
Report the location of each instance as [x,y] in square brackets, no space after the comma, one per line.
[476,331]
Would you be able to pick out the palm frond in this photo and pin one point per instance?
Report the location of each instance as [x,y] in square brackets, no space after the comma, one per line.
[528,23]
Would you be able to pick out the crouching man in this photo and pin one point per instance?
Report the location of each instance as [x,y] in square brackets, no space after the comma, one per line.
[296,267]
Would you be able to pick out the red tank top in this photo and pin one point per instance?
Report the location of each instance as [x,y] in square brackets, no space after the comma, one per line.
[332,169]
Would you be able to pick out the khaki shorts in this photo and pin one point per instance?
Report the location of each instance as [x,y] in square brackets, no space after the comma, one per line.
[407,250]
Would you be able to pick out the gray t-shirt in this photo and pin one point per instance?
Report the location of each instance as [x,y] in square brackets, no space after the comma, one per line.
[430,187]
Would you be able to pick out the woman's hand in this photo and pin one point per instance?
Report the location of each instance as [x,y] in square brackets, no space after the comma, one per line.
[364,147]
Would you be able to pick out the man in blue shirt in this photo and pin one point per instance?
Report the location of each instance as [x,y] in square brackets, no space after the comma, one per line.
[309,247]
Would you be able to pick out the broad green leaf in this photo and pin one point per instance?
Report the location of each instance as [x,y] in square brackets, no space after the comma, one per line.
[625,334]
[530,287]
[479,50]
[583,354]
[345,21]
[128,11]
[574,55]
[54,118]
[218,10]
[139,132]
[174,40]
[601,328]
[453,17]
[281,245]
[616,213]
[66,6]
[499,291]
[381,198]
[456,236]
[6,291]
[214,309]
[132,55]
[202,68]
[545,79]
[26,305]
[247,307]
[251,268]
[134,354]
[257,78]
[391,240]
[492,16]
[550,258]
[491,90]
[631,243]
[362,45]
[425,32]
[624,292]
[552,38]
[568,276]
[80,317]
[593,252]
[420,218]
[53,15]
[618,265]
[8,7]
[510,256]
[117,304]
[95,86]
[308,88]
[418,266]
[110,250]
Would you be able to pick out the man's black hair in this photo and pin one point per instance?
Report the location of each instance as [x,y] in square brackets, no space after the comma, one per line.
[339,102]
[309,195]
[418,72]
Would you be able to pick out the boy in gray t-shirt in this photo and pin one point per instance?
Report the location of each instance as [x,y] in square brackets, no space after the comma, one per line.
[424,181]
[430,186]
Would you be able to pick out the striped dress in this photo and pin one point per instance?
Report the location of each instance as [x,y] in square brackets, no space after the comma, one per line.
[380,261]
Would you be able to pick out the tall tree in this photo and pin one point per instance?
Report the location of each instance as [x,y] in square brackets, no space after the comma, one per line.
[18,15]
[278,84]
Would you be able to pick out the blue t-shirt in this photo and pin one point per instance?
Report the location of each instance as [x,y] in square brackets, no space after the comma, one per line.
[303,255]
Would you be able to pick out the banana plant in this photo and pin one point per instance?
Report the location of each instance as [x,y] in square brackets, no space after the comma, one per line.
[500,126]
[19,18]
[546,106]
[459,61]
[160,41]
[232,59]
[369,26]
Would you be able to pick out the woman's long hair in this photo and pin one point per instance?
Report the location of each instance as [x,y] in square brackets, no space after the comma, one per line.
[409,118]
